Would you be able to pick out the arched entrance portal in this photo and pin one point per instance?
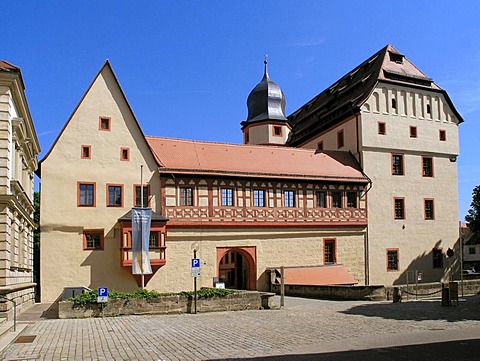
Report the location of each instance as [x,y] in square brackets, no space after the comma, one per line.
[236,267]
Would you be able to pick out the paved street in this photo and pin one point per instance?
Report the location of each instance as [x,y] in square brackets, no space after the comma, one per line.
[303,330]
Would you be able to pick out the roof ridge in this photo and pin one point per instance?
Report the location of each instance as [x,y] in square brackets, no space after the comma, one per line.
[277,147]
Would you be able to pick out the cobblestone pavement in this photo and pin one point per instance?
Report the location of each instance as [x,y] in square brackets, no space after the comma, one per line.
[303,326]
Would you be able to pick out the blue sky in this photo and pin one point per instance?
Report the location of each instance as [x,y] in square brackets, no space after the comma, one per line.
[187,67]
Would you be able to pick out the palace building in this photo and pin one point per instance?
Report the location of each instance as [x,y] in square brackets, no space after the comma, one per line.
[358,186]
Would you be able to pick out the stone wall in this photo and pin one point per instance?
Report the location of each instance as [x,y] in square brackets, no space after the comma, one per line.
[168,305]
[367,293]
[424,290]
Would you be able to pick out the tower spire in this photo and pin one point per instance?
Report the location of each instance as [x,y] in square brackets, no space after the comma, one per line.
[265,61]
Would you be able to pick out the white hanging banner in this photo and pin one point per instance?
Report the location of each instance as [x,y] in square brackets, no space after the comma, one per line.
[141,222]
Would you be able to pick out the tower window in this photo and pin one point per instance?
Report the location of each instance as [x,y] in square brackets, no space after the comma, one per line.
[382,128]
[277,131]
[413,131]
[340,139]
[442,135]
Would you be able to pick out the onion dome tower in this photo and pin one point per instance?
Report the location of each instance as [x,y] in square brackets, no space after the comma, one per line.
[266,123]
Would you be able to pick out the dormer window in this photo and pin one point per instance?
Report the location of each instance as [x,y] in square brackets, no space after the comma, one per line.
[277,131]
[396,58]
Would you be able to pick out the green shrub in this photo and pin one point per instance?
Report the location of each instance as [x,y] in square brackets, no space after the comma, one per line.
[91,296]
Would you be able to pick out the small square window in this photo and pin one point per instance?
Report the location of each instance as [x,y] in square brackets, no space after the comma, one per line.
[442,135]
[277,131]
[392,260]
[86,151]
[413,132]
[471,250]
[93,240]
[340,139]
[104,123]
[125,154]
[382,128]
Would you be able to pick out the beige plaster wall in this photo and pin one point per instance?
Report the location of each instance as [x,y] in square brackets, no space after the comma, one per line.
[63,260]
[263,134]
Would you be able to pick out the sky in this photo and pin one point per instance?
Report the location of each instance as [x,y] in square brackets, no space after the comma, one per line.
[187,67]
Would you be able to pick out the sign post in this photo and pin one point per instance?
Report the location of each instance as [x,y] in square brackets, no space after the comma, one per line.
[195,273]
[102,295]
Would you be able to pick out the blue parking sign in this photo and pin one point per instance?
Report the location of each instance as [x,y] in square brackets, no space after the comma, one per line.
[102,291]
[195,262]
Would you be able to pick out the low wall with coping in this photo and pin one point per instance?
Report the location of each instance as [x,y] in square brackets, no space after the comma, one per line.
[353,293]
[168,305]
[423,290]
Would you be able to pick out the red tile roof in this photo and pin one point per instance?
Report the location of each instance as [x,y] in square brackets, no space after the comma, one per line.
[5,65]
[317,276]
[188,156]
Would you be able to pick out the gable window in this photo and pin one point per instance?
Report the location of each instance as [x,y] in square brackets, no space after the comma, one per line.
[429,212]
[277,131]
[382,128]
[125,154]
[351,199]
[413,131]
[340,140]
[321,199]
[437,255]
[104,123]
[442,135]
[397,164]
[392,259]
[186,196]
[138,195]
[329,255]
[427,166]
[115,195]
[86,151]
[337,199]
[320,146]
[399,208]
[289,199]
[93,239]
[86,194]
[227,197]
[258,198]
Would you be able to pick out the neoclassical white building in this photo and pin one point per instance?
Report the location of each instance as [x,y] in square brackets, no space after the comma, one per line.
[19,148]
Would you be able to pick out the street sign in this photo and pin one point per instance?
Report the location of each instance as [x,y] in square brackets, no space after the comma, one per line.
[102,295]
[195,267]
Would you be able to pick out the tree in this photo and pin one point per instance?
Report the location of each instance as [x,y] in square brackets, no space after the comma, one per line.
[473,216]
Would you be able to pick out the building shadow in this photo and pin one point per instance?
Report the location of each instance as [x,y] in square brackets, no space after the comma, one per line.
[422,310]
[451,350]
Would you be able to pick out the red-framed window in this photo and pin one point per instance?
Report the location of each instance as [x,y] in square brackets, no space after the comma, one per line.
[397,164]
[289,199]
[337,201]
[125,154]
[329,251]
[186,196]
[93,240]
[277,131]
[104,123]
[352,199]
[138,195]
[429,210]
[86,152]
[114,195]
[399,208]
[86,194]
[427,166]
[321,199]
[227,197]
[393,260]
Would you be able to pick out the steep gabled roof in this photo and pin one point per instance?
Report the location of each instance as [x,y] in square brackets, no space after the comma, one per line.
[345,97]
[105,65]
[181,156]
